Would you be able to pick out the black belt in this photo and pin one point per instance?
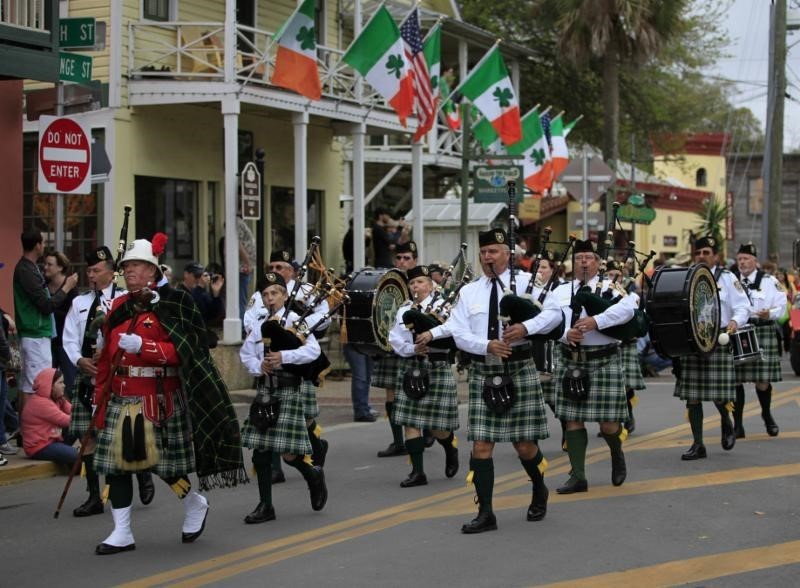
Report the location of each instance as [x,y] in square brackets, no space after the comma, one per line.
[280,380]
[584,355]
[759,322]
[518,353]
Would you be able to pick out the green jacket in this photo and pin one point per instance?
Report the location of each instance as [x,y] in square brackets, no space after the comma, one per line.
[33,305]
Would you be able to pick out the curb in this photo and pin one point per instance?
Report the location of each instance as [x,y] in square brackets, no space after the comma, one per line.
[28,470]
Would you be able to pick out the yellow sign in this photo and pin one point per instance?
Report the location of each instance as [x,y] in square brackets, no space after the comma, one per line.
[530,209]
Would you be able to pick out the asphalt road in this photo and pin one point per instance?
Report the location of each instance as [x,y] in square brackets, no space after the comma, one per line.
[731,519]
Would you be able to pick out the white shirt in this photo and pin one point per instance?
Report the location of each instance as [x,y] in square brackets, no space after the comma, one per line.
[402,339]
[256,312]
[617,314]
[75,322]
[252,352]
[734,304]
[769,296]
[469,321]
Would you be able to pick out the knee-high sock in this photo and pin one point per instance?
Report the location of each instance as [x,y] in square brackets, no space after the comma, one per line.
[120,490]
[722,408]
[262,463]
[316,442]
[738,405]
[92,479]
[577,440]
[397,430]
[532,468]
[483,478]
[276,461]
[613,441]
[696,421]
[416,448]
[302,466]
[765,400]
[449,443]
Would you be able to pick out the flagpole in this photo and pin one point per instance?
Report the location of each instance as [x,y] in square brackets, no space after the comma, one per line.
[480,63]
[433,28]
[465,158]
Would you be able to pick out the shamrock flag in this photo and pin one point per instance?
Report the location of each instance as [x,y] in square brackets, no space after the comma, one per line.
[432,49]
[569,126]
[378,55]
[296,60]
[452,114]
[560,153]
[537,164]
[484,133]
[488,87]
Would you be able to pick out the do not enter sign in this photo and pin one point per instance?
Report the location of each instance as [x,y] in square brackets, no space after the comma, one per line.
[65,156]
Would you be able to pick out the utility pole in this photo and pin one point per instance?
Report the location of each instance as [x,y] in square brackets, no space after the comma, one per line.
[773,157]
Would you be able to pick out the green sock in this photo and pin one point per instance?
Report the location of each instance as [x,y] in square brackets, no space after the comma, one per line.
[120,491]
[614,442]
[92,479]
[577,440]
[765,400]
[447,442]
[262,462]
[302,466]
[416,448]
[483,478]
[397,430]
[696,421]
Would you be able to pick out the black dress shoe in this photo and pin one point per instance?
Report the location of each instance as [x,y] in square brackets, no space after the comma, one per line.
[191,537]
[318,489]
[106,549]
[738,430]
[393,451]
[696,451]
[261,514]
[414,479]
[728,437]
[364,418]
[619,471]
[485,521]
[278,477]
[538,507]
[772,426]
[572,486]
[92,506]
[147,490]
[319,459]
[451,462]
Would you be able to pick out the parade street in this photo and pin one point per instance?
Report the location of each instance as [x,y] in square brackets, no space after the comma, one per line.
[731,519]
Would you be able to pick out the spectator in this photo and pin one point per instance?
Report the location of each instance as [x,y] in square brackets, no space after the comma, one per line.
[45,414]
[33,310]
[247,262]
[348,251]
[437,273]
[385,237]
[361,372]
[56,268]
[205,291]
[652,363]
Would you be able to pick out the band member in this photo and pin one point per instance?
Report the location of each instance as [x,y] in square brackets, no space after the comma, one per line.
[386,370]
[586,349]
[280,262]
[287,435]
[81,332]
[712,378]
[505,398]
[435,408]
[768,302]
[161,403]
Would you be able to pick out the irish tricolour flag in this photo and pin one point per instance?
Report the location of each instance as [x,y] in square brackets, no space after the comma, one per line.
[534,148]
[378,55]
[296,61]
[560,153]
[488,87]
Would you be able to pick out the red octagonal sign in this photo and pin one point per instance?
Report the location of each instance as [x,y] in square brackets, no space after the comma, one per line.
[65,156]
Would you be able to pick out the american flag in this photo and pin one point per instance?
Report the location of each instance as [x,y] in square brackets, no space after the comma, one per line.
[424,102]
[545,120]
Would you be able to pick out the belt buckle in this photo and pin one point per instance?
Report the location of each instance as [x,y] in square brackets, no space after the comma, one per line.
[158,372]
[583,355]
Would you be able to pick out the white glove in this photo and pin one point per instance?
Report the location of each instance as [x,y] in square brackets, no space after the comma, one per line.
[130,343]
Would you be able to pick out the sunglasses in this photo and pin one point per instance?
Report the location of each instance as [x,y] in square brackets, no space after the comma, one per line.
[405,257]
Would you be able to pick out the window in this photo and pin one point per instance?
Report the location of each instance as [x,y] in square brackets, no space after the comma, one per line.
[701,177]
[755,196]
[156,10]
[169,206]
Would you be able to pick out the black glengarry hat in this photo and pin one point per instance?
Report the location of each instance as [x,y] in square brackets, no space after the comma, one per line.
[492,237]
[409,247]
[98,255]
[420,271]
[706,241]
[281,255]
[273,279]
[747,249]
[584,246]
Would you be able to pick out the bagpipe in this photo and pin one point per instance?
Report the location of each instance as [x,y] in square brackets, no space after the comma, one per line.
[418,320]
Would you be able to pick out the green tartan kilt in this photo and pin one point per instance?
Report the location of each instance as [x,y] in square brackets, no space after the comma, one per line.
[438,409]
[384,371]
[768,369]
[310,406]
[632,367]
[177,457]
[606,402]
[549,386]
[290,435]
[81,417]
[527,419]
[708,378]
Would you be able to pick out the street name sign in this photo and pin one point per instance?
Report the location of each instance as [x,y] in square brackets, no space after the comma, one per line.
[76,33]
[75,68]
[65,156]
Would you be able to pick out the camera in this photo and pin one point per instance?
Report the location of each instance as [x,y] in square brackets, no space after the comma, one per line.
[215,278]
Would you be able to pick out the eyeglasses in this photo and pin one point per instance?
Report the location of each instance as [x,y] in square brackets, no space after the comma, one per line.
[404,257]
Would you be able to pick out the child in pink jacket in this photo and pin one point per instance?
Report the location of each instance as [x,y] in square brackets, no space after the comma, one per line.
[45,413]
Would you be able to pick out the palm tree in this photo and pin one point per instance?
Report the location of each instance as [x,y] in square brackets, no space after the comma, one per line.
[712,219]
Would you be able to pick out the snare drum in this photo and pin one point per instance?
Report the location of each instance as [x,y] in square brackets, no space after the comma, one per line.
[684,309]
[375,297]
[745,346]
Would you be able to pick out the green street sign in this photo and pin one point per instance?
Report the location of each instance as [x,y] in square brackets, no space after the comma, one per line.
[642,215]
[491,182]
[74,33]
[75,68]
[636,200]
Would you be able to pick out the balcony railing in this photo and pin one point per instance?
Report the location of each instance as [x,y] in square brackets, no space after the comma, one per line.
[27,14]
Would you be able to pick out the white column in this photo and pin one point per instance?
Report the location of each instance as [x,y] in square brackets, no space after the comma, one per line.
[300,122]
[416,196]
[229,61]
[359,130]
[232,326]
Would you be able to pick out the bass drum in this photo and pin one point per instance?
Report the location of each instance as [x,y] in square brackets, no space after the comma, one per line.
[375,297]
[684,309]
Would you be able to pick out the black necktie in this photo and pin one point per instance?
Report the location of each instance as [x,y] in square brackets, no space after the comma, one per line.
[746,282]
[86,348]
[493,330]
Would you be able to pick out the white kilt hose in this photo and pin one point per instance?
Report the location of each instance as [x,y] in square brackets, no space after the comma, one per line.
[385,371]
[438,409]
[527,419]
[768,369]
[707,378]
[631,366]
[607,400]
[289,435]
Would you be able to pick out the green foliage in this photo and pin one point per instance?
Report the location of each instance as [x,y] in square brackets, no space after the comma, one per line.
[712,219]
